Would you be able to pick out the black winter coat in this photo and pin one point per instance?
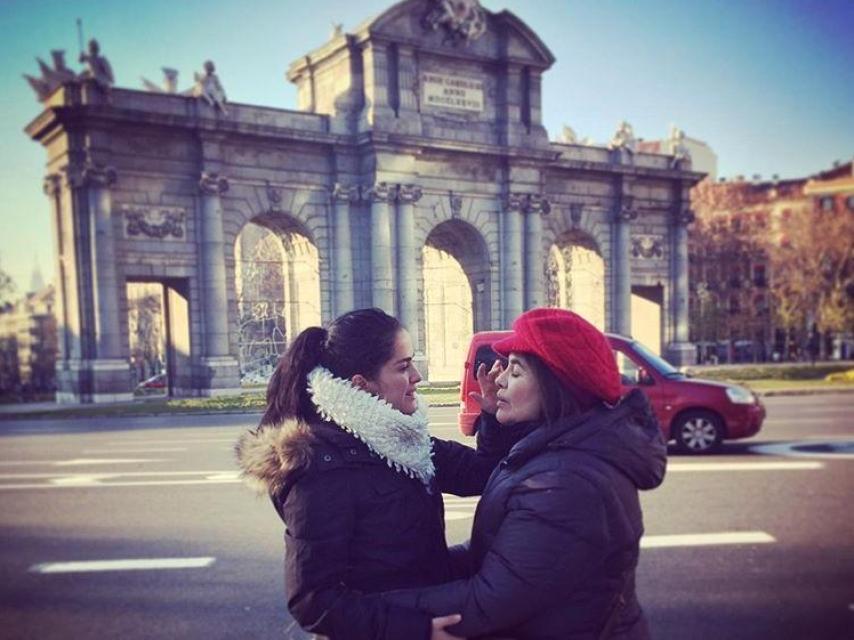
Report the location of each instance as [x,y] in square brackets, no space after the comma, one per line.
[557,530]
[355,526]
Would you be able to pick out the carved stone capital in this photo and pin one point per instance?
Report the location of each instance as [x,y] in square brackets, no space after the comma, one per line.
[533,203]
[52,184]
[99,175]
[537,204]
[515,202]
[409,193]
[213,184]
[684,217]
[380,192]
[89,173]
[344,193]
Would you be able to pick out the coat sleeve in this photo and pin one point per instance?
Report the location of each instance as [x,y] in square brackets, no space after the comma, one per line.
[463,471]
[320,512]
[551,541]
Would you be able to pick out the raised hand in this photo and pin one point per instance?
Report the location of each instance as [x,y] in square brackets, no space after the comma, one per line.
[488,396]
[438,627]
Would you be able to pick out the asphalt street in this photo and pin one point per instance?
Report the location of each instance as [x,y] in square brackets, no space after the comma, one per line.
[138,528]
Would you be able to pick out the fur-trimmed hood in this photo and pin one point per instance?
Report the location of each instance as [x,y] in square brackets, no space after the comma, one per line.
[272,455]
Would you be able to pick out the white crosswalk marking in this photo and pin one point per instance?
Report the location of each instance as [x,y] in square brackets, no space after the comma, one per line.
[706,539]
[143,564]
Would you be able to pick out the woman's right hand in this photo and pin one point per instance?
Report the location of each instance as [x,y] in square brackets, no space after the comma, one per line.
[437,630]
[488,396]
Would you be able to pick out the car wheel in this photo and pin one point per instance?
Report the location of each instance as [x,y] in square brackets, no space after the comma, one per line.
[698,432]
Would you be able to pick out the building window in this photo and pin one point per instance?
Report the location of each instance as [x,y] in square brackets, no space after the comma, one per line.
[849,202]
[826,203]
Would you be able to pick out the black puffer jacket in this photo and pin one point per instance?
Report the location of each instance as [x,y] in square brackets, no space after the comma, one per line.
[355,526]
[557,529]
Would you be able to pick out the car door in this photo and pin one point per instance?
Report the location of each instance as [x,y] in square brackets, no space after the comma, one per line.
[635,373]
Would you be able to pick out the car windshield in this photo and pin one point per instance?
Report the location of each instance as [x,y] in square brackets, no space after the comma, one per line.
[658,363]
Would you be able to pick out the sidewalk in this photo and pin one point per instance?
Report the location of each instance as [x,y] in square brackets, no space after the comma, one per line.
[53,410]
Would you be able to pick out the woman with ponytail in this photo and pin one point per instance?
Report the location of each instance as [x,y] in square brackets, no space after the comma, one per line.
[344,453]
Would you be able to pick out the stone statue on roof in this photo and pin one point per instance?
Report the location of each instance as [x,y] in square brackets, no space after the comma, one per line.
[99,68]
[624,138]
[677,147]
[170,82]
[209,88]
[463,20]
[568,136]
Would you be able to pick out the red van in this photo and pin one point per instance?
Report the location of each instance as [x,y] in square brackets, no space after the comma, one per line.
[697,414]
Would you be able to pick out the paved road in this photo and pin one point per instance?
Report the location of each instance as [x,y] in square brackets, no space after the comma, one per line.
[756,542]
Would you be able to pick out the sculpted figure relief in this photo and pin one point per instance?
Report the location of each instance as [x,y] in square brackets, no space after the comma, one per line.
[463,20]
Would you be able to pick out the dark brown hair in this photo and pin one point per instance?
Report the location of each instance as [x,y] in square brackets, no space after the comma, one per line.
[360,341]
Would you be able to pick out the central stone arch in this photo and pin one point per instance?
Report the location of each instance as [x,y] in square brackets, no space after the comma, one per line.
[277,287]
[456,285]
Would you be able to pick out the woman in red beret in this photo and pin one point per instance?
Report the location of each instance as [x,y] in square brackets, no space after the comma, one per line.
[555,538]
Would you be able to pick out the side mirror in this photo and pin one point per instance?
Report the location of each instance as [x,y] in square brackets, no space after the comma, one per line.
[644,378]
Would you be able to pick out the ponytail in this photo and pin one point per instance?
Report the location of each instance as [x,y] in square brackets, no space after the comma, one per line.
[358,342]
[287,393]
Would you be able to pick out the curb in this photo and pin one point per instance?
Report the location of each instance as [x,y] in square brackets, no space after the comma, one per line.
[29,416]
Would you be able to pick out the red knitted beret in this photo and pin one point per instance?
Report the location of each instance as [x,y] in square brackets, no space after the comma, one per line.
[573,349]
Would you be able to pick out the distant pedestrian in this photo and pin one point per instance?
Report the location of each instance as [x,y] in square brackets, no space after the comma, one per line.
[344,453]
[555,539]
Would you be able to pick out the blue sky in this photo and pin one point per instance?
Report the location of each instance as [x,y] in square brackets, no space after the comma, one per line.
[768,84]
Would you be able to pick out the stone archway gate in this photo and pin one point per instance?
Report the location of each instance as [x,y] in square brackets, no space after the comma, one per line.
[416,119]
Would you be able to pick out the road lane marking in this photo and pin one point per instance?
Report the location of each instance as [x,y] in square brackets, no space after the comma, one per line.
[844,449]
[78,462]
[139,441]
[679,467]
[706,539]
[114,451]
[142,564]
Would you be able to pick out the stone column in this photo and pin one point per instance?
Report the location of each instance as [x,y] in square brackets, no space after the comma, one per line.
[92,365]
[511,259]
[106,287]
[342,196]
[680,351]
[536,207]
[407,273]
[621,297]
[223,372]
[215,302]
[380,196]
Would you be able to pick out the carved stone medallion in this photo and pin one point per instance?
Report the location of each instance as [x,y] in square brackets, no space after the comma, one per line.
[162,223]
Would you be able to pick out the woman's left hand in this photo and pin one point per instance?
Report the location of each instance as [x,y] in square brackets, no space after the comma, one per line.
[438,627]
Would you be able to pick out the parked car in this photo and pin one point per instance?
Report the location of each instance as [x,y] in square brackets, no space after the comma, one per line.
[155,382]
[697,414]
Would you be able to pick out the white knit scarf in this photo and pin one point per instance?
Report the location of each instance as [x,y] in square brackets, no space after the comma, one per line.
[399,439]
